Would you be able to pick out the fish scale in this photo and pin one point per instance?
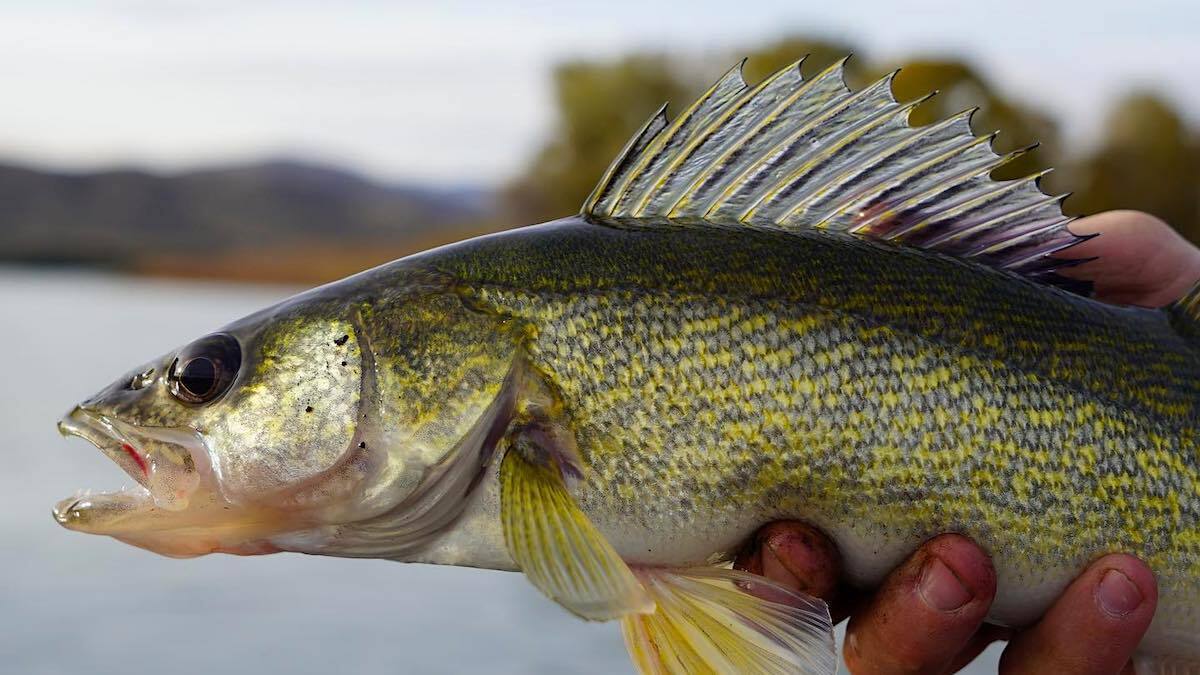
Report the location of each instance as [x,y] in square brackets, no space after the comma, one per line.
[847,384]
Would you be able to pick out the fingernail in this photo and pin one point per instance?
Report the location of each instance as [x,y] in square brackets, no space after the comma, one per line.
[1117,594]
[773,568]
[940,588]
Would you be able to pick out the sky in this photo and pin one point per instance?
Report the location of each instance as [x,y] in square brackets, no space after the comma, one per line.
[457,92]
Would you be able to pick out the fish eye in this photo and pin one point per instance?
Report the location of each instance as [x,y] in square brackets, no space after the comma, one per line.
[205,369]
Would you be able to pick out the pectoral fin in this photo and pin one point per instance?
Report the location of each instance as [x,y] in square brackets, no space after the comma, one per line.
[558,549]
[716,620]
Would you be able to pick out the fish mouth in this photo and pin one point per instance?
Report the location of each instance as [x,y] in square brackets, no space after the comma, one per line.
[75,512]
[101,432]
[175,506]
[161,461]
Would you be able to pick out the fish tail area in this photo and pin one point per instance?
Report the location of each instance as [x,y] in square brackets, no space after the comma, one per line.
[1145,664]
[717,620]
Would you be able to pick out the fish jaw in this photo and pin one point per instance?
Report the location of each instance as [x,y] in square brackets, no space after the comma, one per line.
[176,507]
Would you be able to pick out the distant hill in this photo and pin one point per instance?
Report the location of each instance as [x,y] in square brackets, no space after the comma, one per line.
[138,220]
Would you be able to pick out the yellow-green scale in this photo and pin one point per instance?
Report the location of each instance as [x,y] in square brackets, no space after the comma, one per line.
[720,377]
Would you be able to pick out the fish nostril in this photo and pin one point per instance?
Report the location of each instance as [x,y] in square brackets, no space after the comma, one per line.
[142,379]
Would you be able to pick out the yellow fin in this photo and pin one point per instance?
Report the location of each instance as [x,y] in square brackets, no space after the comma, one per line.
[717,620]
[559,549]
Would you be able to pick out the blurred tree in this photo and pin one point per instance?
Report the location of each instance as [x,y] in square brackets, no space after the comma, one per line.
[601,104]
[1148,161]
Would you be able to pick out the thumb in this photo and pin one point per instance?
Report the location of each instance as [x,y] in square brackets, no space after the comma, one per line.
[795,555]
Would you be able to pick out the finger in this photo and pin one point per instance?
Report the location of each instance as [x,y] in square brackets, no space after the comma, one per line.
[925,613]
[1093,627]
[1140,260]
[797,556]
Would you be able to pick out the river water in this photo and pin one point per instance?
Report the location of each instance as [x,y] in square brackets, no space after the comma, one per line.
[86,605]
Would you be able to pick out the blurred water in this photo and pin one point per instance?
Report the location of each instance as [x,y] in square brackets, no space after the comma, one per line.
[72,603]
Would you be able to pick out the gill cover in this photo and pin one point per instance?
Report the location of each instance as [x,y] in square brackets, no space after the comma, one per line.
[293,410]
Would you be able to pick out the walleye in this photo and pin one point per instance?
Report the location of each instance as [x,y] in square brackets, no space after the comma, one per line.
[785,303]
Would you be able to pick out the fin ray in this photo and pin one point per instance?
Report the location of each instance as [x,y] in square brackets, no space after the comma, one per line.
[659,149]
[717,620]
[558,549]
[792,153]
[724,122]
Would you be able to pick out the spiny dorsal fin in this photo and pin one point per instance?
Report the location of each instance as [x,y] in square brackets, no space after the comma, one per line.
[1185,312]
[793,154]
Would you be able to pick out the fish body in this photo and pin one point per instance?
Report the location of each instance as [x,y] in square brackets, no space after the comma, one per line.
[823,317]
[717,382]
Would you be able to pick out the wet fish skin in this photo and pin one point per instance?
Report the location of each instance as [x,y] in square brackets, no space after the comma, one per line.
[717,381]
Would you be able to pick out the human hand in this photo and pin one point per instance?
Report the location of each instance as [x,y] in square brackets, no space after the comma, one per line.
[1140,260]
[927,616]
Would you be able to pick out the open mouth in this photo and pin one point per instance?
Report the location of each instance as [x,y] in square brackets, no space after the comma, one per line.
[161,461]
[76,512]
[175,507]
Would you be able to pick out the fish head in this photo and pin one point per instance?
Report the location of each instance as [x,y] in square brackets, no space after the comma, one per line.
[233,438]
[313,426]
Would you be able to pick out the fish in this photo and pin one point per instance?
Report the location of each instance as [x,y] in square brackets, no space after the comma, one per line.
[785,302]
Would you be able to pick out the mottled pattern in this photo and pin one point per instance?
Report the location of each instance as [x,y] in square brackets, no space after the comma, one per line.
[877,390]
[294,412]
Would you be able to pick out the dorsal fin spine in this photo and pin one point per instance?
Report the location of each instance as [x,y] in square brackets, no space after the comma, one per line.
[849,136]
[625,155]
[992,221]
[874,160]
[975,201]
[823,116]
[1040,257]
[772,192]
[664,137]
[791,154]
[954,151]
[891,181]
[980,168]
[766,120]
[707,131]
[1007,242]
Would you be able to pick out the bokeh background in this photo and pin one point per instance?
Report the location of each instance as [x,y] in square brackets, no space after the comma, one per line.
[169,165]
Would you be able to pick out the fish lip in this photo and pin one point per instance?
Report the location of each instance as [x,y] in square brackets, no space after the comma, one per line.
[102,432]
[62,510]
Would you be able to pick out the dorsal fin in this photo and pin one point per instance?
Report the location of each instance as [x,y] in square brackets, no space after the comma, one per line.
[794,153]
[1185,312]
